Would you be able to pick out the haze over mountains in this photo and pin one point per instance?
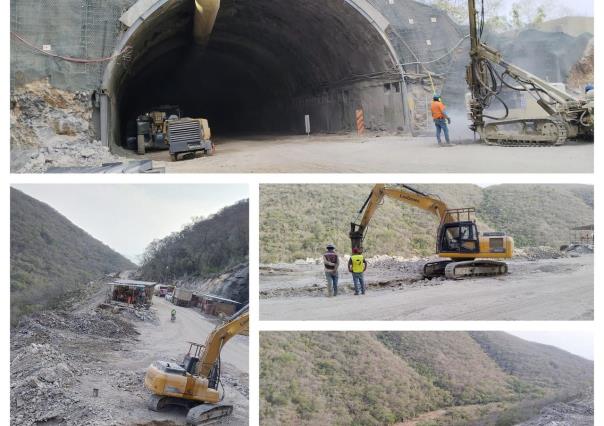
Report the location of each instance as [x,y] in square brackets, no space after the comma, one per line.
[296,221]
[50,256]
[377,378]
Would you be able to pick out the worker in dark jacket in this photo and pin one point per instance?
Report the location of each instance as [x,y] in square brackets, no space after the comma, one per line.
[441,119]
[357,266]
[331,263]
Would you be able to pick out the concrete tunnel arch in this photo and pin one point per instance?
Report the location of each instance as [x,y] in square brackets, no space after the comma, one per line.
[267,64]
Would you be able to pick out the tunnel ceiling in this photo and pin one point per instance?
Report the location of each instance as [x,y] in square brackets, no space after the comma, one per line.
[260,50]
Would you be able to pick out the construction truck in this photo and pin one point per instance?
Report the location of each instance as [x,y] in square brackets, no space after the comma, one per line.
[182,296]
[469,252]
[564,115]
[164,128]
[194,384]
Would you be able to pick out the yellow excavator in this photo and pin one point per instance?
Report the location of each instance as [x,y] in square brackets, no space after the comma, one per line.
[194,383]
[469,253]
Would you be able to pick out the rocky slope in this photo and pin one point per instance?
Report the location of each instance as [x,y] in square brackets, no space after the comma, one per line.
[53,128]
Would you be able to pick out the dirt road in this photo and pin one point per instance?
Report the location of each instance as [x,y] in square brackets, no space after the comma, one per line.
[386,154]
[167,341]
[547,289]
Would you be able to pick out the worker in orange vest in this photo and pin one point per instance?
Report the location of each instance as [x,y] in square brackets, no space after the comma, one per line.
[441,119]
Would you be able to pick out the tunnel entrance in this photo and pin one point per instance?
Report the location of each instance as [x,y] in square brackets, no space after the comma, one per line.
[268,64]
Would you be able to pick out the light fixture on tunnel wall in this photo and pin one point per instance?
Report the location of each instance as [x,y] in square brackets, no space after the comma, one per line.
[307,124]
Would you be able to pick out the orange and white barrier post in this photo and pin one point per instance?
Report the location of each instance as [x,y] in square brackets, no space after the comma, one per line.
[360,122]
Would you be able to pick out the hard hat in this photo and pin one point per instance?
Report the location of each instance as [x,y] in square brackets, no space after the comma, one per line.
[356,250]
[589,87]
[436,97]
[330,246]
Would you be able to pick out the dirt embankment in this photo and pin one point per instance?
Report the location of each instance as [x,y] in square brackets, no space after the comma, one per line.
[539,286]
[59,358]
[53,128]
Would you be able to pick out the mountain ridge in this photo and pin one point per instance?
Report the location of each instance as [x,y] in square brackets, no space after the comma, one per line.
[379,378]
[51,256]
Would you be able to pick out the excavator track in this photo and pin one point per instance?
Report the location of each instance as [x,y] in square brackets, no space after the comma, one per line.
[207,413]
[435,269]
[198,414]
[158,402]
[475,268]
[538,132]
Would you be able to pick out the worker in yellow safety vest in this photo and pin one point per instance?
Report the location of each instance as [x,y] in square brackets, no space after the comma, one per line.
[357,265]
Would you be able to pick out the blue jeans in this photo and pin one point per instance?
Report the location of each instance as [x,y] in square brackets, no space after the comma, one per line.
[332,283]
[441,124]
[359,282]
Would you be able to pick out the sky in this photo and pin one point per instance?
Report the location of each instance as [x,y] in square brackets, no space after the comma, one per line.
[128,217]
[576,342]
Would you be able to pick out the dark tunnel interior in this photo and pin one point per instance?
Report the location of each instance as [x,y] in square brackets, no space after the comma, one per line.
[267,64]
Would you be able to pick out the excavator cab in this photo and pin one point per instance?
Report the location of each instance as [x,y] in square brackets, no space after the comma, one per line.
[458,237]
[192,357]
[458,233]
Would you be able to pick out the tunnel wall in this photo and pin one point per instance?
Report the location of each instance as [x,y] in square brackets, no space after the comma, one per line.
[334,110]
[78,28]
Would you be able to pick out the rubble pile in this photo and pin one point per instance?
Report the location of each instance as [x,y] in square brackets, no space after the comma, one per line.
[576,413]
[93,323]
[575,250]
[141,314]
[52,128]
[237,383]
[410,267]
[48,361]
[538,253]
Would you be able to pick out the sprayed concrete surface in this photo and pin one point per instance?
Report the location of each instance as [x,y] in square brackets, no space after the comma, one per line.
[545,289]
[385,154]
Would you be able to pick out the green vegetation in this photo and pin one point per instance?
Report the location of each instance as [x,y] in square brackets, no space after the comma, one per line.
[381,378]
[296,221]
[51,257]
[206,247]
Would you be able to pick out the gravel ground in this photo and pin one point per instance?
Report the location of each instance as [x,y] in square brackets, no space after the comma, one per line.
[59,357]
[534,289]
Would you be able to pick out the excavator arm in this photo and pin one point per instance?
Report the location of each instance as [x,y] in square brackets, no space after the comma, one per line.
[403,193]
[238,323]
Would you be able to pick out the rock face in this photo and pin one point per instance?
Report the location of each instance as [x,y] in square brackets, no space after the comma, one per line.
[52,128]
[582,72]
[232,284]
